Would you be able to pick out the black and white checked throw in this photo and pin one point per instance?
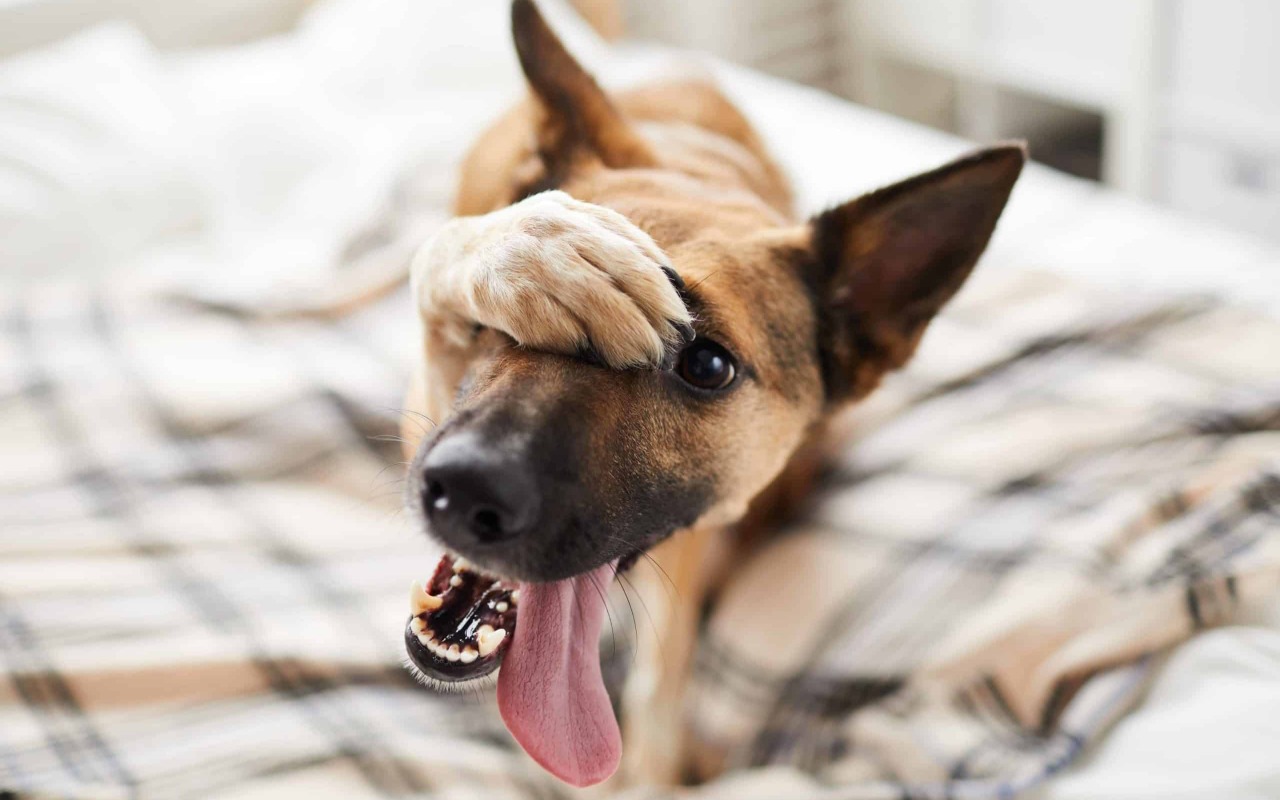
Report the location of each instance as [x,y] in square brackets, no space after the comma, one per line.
[203,568]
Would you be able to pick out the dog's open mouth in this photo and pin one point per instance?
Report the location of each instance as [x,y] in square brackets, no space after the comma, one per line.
[460,622]
[551,694]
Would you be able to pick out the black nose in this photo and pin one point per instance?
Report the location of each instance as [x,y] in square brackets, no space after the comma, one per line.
[476,492]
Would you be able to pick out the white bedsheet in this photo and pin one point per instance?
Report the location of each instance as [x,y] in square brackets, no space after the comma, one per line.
[245,169]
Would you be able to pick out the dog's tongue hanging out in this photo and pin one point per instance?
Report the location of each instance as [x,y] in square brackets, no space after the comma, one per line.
[546,636]
[550,690]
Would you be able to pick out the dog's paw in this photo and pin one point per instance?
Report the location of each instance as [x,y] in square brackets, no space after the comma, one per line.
[557,274]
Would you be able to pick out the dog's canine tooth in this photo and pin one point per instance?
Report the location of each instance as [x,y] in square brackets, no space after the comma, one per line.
[501,607]
[488,639]
[455,581]
[418,625]
[421,602]
[460,564]
[424,638]
[515,597]
[469,654]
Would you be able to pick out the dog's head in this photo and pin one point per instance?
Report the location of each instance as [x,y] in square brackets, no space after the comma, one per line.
[550,467]
[561,465]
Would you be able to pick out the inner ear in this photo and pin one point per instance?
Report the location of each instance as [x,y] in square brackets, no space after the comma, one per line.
[577,118]
[887,262]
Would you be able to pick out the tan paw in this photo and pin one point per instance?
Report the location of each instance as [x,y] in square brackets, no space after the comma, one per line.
[556,274]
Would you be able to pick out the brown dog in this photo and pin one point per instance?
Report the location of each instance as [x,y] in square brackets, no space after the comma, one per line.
[627,340]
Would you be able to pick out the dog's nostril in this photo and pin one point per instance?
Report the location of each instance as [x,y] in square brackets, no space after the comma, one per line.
[436,496]
[487,524]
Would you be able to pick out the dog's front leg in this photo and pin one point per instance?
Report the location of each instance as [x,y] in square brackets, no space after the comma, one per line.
[554,274]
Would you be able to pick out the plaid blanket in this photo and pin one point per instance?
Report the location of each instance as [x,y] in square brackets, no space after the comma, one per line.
[203,570]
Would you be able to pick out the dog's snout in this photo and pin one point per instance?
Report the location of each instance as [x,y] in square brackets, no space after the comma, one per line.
[473,493]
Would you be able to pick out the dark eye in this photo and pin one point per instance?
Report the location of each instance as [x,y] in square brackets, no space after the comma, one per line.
[706,365]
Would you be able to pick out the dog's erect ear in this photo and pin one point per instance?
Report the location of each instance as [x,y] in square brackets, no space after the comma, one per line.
[578,117]
[888,261]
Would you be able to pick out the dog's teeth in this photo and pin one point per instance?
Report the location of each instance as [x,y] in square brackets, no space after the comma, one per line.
[418,625]
[455,581]
[488,639]
[469,654]
[501,607]
[515,597]
[453,653]
[425,638]
[461,564]
[421,602]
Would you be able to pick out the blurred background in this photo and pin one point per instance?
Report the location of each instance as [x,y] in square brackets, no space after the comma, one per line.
[1173,101]
[1176,101]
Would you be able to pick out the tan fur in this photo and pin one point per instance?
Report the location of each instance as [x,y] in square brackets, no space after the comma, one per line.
[551,272]
[815,311]
[719,187]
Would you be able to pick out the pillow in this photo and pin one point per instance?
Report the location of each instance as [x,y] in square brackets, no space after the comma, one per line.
[246,167]
[91,169]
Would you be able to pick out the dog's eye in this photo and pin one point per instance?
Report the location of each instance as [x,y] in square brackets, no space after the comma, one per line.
[706,365]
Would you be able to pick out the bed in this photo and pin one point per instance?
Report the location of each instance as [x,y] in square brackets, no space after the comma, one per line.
[202,566]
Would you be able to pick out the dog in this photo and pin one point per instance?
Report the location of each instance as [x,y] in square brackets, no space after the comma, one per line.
[632,347]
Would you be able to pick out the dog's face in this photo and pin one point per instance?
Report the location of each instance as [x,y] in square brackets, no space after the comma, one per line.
[587,464]
[572,465]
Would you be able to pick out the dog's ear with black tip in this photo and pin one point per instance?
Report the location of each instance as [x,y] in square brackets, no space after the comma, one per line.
[887,262]
[578,119]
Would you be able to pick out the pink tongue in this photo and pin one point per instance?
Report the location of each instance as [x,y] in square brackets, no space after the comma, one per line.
[550,691]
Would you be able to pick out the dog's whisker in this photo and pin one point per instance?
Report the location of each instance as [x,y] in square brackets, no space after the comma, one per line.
[392,465]
[415,416]
[386,484]
[613,634]
[702,280]
[386,490]
[674,589]
[657,636]
[635,625]
[420,415]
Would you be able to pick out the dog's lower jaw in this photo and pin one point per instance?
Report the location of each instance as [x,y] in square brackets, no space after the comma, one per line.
[459,622]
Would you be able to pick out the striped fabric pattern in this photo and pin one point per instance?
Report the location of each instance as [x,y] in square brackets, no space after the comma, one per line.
[203,565]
